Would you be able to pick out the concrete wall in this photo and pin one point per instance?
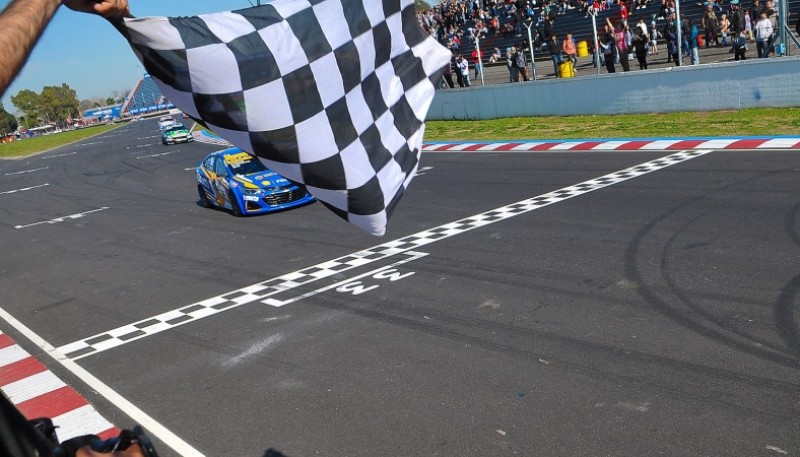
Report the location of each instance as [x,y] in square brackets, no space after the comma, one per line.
[753,83]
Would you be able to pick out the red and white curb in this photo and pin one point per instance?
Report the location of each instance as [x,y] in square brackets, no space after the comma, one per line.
[587,145]
[616,145]
[38,392]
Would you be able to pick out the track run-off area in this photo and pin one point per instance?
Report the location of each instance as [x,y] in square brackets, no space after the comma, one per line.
[527,299]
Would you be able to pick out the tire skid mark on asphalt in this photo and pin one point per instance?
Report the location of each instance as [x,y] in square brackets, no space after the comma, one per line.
[264,291]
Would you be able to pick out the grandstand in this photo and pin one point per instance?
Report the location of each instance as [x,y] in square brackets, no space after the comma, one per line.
[145,98]
[578,23]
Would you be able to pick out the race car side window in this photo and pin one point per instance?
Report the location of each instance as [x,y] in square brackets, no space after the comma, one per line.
[209,164]
[219,168]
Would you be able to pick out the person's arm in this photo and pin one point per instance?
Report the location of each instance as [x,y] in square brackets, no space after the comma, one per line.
[24,21]
[21,25]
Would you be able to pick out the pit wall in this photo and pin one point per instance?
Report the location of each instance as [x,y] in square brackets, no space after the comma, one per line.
[754,83]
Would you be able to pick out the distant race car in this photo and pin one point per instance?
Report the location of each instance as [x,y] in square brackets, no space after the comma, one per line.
[165,121]
[236,180]
[176,133]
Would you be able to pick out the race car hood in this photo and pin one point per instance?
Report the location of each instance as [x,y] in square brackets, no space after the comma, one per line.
[178,133]
[263,179]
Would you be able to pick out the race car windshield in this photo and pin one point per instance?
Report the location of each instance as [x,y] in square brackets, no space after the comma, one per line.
[175,129]
[247,167]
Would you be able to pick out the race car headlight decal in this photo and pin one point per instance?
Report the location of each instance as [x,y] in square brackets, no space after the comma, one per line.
[252,191]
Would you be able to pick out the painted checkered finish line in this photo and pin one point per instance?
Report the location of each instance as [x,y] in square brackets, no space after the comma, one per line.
[616,145]
[264,291]
[37,392]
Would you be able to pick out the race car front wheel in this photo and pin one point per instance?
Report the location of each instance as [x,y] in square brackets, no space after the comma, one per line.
[203,197]
[235,208]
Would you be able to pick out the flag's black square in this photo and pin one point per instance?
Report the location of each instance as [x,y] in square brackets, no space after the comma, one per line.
[303,94]
[257,65]
[341,123]
[325,174]
[306,28]
[194,32]
[276,145]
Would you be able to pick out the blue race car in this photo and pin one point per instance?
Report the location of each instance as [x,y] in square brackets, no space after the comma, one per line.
[236,180]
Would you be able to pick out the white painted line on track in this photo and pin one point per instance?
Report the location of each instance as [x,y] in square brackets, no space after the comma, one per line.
[23,189]
[61,155]
[144,145]
[151,425]
[264,291]
[148,137]
[61,219]
[26,171]
[158,155]
[278,303]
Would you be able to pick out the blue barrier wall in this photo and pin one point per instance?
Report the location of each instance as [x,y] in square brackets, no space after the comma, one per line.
[755,83]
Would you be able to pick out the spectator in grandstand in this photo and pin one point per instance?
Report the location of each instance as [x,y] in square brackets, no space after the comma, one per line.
[522,64]
[448,74]
[622,39]
[685,32]
[477,62]
[608,48]
[463,69]
[653,33]
[724,28]
[671,37]
[711,26]
[748,27]
[736,19]
[511,64]
[693,45]
[640,47]
[623,13]
[570,50]
[554,46]
[641,24]
[740,46]
[22,22]
[755,14]
[496,56]
[772,15]
[763,32]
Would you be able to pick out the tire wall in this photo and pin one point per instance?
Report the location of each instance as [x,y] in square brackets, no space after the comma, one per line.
[754,83]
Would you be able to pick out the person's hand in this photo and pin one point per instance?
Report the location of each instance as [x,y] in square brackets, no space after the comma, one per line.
[105,8]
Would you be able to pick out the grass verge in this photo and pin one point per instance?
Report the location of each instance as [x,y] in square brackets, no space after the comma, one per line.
[31,146]
[746,122]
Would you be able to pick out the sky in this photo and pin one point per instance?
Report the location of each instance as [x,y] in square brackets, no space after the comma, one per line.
[88,54]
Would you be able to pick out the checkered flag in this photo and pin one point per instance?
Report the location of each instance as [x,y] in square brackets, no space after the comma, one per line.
[329,93]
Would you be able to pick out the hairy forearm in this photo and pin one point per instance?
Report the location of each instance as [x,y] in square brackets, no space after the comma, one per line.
[21,25]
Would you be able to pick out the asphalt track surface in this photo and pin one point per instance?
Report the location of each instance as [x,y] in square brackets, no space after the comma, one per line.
[655,315]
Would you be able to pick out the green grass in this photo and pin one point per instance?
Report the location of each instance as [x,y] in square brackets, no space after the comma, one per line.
[30,146]
[746,122]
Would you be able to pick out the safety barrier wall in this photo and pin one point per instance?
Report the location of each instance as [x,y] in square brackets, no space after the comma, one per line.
[753,83]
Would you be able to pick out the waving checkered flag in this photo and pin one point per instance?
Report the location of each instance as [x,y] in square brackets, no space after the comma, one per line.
[329,93]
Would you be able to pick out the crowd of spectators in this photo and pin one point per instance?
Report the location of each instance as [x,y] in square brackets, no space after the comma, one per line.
[459,24]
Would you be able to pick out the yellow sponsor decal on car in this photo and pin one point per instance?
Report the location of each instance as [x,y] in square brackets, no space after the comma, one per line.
[242,157]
